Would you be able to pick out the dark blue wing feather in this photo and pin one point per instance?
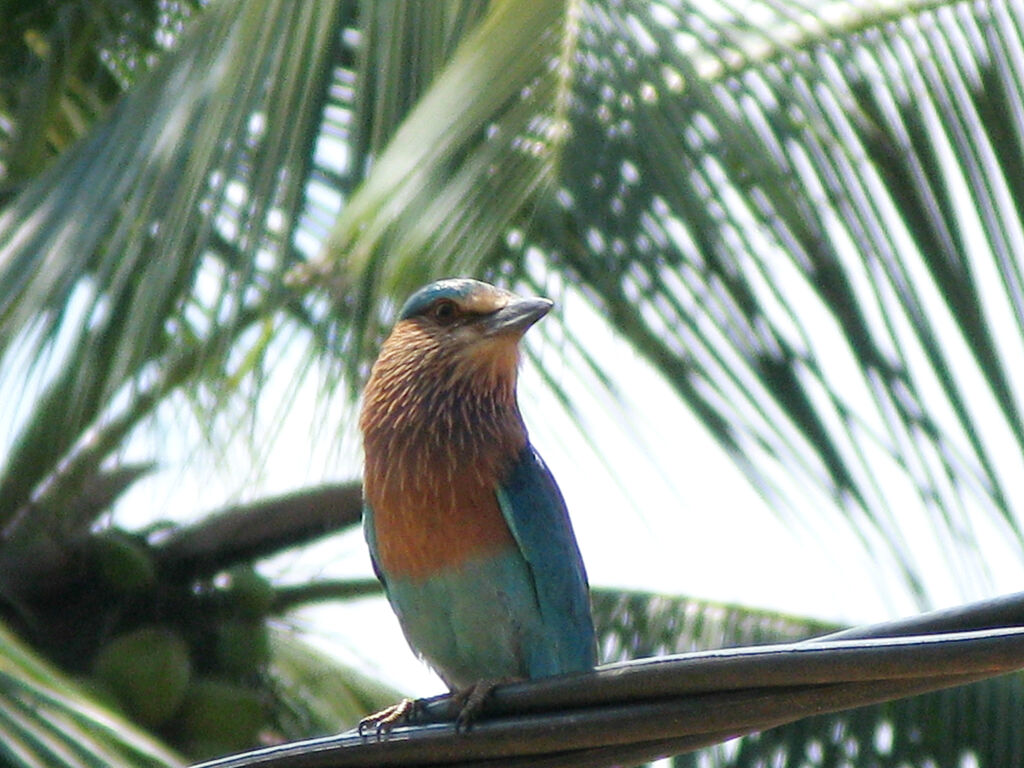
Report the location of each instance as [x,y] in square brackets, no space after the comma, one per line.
[535,512]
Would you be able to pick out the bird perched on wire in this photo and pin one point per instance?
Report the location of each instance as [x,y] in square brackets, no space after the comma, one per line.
[467,530]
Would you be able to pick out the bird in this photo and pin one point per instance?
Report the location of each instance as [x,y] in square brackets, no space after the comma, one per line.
[467,529]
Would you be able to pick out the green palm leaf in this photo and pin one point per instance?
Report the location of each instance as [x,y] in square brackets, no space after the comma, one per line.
[774,215]
[809,225]
[813,316]
[462,168]
[46,720]
[136,250]
[62,68]
[945,728]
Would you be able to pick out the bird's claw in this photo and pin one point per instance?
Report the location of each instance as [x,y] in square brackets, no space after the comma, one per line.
[471,701]
[382,722]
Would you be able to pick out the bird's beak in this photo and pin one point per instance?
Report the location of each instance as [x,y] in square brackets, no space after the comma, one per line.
[517,316]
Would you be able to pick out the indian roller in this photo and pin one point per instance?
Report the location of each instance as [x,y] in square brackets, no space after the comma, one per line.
[467,529]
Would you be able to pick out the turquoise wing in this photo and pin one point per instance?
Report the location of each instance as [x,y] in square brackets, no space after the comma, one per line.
[476,621]
[536,514]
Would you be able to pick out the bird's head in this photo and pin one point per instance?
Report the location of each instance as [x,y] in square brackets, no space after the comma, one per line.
[460,329]
[442,395]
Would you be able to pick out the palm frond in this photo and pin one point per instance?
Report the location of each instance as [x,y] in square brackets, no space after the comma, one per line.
[809,227]
[941,728]
[46,720]
[458,172]
[405,45]
[945,729]
[774,213]
[718,174]
[62,68]
[816,245]
[635,625]
[156,242]
[246,532]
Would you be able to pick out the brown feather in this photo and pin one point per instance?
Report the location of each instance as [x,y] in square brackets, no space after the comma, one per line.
[441,428]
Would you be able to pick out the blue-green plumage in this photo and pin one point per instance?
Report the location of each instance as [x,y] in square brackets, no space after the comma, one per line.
[521,613]
[536,514]
[455,289]
[467,529]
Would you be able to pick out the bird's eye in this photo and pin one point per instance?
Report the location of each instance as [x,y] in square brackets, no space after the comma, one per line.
[444,311]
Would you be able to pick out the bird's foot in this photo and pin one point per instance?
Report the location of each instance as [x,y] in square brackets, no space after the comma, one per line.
[471,700]
[382,722]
